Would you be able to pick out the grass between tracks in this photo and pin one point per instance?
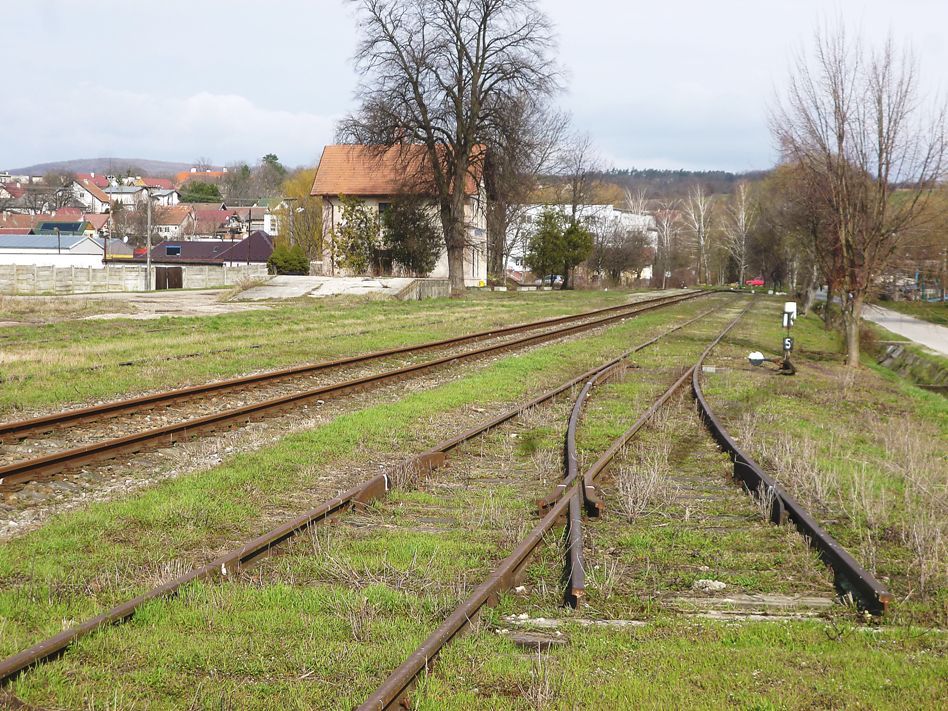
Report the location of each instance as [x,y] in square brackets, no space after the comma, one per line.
[76,361]
[682,663]
[82,562]
[642,562]
[335,611]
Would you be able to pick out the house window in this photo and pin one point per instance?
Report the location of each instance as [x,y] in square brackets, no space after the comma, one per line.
[383,207]
[173,250]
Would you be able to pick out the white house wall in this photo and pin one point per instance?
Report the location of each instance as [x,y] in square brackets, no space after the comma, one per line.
[475,256]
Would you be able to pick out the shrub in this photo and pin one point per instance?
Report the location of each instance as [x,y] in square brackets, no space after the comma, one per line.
[357,236]
[411,236]
[288,260]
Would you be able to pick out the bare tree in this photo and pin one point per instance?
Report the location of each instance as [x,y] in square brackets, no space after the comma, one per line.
[667,225]
[739,220]
[523,147]
[696,211]
[441,73]
[854,121]
[636,201]
[579,163]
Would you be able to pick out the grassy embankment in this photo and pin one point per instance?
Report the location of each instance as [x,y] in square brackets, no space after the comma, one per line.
[866,452]
[934,311]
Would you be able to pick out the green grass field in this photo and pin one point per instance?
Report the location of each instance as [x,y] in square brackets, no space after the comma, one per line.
[322,622]
[76,361]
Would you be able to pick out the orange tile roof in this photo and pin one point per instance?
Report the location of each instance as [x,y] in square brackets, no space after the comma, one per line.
[204,176]
[19,221]
[96,192]
[98,221]
[359,170]
[160,183]
[174,215]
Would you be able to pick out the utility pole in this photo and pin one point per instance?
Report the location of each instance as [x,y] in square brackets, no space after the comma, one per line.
[147,240]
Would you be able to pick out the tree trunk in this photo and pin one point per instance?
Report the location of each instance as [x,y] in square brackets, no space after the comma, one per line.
[852,316]
[827,314]
[496,239]
[809,292]
[452,220]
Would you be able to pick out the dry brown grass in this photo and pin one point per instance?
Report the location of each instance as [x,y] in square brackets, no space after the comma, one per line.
[643,484]
[544,686]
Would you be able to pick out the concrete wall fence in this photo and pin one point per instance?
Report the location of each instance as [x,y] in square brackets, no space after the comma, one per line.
[19,279]
[425,289]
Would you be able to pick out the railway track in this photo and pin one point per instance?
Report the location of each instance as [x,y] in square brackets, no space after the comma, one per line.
[17,474]
[230,564]
[577,493]
[38,425]
[574,495]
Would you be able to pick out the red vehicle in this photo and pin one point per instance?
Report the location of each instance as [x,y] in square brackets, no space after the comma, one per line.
[756,281]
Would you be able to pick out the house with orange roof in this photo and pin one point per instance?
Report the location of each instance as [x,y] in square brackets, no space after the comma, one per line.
[92,197]
[176,222]
[100,181]
[378,177]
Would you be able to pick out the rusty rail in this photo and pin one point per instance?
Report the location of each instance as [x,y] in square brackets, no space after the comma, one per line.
[572,461]
[18,473]
[229,563]
[850,576]
[394,690]
[22,428]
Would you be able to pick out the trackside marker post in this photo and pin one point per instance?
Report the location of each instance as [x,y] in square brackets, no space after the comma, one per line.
[789,316]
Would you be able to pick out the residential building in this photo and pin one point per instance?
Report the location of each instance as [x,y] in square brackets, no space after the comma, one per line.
[202,176]
[91,196]
[100,224]
[125,195]
[153,183]
[100,181]
[255,249]
[63,250]
[175,222]
[253,219]
[52,227]
[598,219]
[380,176]
[165,198]
[209,223]
[11,190]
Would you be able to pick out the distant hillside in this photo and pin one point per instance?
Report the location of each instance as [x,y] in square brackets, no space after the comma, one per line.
[105,166]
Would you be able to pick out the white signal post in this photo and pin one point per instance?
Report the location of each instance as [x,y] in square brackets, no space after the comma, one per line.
[789,316]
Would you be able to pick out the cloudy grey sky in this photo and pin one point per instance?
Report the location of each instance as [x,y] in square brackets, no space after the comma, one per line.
[664,84]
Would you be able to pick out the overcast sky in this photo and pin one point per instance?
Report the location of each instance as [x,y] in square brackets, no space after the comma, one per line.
[657,83]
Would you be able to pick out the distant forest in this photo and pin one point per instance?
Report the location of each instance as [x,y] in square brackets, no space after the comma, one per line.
[676,183]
